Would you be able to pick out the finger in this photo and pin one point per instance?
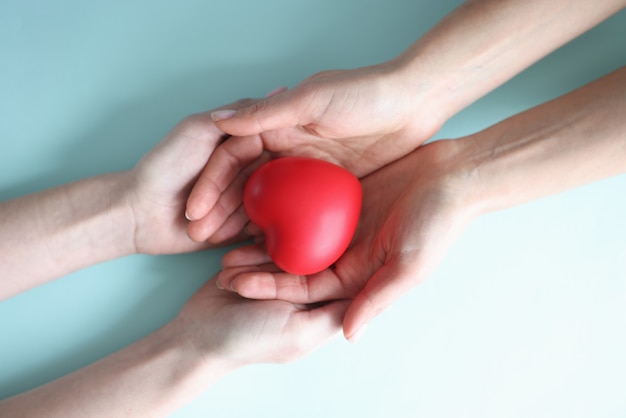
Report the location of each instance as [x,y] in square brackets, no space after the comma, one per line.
[250,272]
[222,168]
[335,309]
[227,276]
[283,110]
[253,230]
[268,282]
[307,330]
[202,127]
[250,255]
[228,216]
[233,225]
[240,237]
[321,324]
[389,283]
[276,91]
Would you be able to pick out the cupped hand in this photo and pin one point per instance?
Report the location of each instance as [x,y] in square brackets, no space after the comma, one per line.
[413,211]
[158,187]
[360,119]
[244,331]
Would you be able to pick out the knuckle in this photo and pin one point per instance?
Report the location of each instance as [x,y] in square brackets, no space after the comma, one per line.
[191,121]
[256,107]
[254,113]
[322,75]
[192,124]
[242,103]
[298,349]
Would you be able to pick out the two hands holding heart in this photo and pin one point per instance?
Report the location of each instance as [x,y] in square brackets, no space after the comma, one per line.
[308,211]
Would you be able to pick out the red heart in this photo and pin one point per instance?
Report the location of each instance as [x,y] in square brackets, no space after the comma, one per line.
[308,210]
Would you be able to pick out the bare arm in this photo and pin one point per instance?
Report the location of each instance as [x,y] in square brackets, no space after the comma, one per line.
[484,43]
[152,377]
[415,208]
[573,140]
[49,234]
[365,118]
[215,333]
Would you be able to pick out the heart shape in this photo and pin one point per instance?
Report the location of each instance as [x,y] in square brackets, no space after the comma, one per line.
[308,210]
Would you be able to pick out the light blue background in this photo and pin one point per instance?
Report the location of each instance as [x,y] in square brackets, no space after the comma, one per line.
[526,317]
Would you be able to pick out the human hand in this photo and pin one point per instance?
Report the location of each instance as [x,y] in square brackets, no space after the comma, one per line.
[359,119]
[239,331]
[413,210]
[158,187]
[215,333]
[104,217]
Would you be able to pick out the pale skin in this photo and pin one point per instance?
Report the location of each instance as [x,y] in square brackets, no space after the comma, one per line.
[415,208]
[450,184]
[142,211]
[105,217]
[365,118]
[215,333]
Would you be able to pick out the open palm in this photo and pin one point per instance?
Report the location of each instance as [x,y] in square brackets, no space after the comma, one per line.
[413,210]
[246,331]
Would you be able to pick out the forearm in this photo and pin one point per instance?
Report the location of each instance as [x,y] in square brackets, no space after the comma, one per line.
[573,140]
[48,234]
[151,378]
[484,43]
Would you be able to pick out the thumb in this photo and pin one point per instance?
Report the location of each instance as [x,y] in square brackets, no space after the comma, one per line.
[323,323]
[279,110]
[307,330]
[386,286]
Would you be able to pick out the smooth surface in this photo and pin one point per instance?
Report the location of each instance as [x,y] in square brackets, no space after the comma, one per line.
[308,210]
[526,317]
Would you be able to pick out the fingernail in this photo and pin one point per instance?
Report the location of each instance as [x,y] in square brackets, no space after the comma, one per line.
[276,91]
[223,114]
[189,218]
[357,335]
[219,286]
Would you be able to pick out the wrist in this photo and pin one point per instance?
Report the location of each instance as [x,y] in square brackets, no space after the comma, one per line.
[548,149]
[443,166]
[87,222]
[205,359]
[482,44]
[198,366]
[65,228]
[121,234]
[156,375]
[427,86]
[511,161]
[420,92]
